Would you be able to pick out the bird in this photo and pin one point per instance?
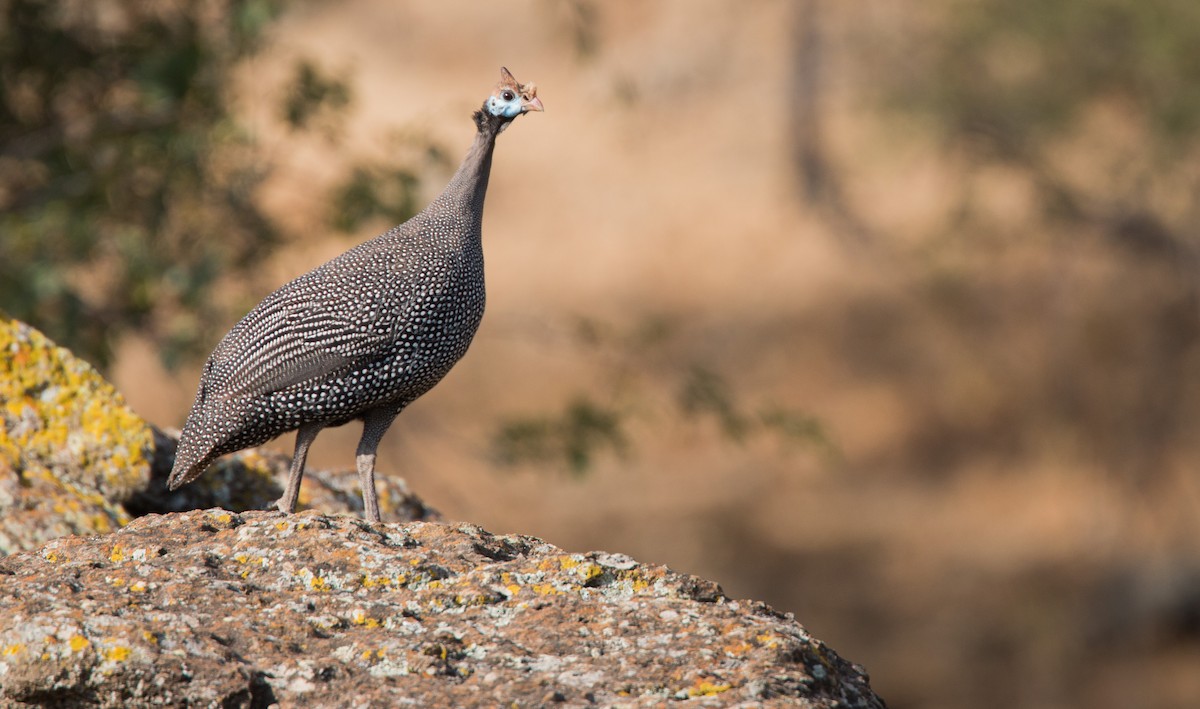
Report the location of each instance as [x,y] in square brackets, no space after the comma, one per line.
[359,337]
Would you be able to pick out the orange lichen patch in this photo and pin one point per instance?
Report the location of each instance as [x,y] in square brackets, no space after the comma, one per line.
[78,643]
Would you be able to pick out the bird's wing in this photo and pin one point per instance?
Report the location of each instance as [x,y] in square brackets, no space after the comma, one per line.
[293,337]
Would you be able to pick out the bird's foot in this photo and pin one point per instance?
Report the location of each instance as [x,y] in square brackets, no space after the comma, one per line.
[280,505]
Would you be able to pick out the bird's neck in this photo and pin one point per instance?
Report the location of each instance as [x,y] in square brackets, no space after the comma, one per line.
[469,185]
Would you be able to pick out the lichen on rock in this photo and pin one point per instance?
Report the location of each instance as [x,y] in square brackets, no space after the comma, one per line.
[223,609]
[71,450]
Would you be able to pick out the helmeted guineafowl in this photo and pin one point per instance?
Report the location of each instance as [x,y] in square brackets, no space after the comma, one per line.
[359,337]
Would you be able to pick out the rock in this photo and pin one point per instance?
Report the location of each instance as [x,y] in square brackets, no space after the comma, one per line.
[75,459]
[71,450]
[214,608]
[217,608]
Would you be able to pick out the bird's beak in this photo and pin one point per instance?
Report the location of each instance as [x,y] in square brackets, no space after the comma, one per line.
[533,104]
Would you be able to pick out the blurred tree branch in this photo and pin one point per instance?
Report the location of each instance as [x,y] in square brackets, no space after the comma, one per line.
[820,181]
[647,375]
[120,158]
[1094,107]
[128,185]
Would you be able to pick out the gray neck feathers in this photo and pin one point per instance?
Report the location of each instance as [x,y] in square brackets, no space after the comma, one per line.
[469,185]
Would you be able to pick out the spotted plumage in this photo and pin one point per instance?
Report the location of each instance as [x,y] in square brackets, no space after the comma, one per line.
[359,337]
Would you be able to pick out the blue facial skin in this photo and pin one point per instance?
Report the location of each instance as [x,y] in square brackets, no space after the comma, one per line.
[497,106]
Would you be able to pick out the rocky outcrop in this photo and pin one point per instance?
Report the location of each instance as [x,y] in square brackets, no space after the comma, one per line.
[74,459]
[71,452]
[214,608]
[217,608]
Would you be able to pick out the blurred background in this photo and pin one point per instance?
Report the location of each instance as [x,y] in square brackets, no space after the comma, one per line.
[883,312]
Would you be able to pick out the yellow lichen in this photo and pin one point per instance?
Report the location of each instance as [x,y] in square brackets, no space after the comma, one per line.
[117,653]
[62,423]
[767,640]
[117,555]
[78,642]
[637,582]
[315,582]
[377,654]
[707,688]
[360,617]
[13,649]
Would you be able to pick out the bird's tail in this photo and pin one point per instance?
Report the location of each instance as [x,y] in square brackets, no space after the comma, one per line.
[190,462]
[195,450]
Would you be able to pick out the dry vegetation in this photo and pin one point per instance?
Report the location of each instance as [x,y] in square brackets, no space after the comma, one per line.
[996,504]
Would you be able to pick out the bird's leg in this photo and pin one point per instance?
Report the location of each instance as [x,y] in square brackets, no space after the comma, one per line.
[375,424]
[304,438]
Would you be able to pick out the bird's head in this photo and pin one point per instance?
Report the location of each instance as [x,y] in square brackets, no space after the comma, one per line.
[510,99]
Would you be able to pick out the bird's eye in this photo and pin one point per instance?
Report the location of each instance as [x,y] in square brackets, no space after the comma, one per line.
[508,96]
